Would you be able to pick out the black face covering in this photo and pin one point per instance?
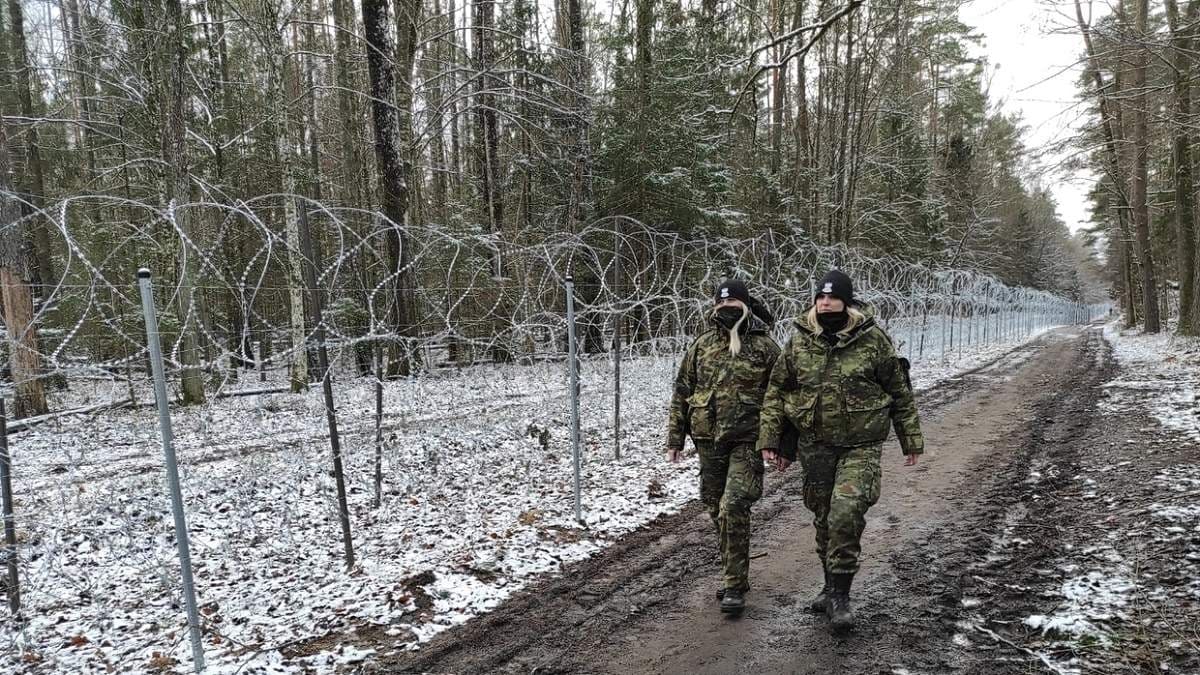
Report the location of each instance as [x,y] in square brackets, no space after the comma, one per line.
[832,322]
[729,316]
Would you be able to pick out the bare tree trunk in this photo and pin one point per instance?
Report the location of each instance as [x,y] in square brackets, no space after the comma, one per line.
[310,109]
[487,128]
[178,192]
[577,76]
[391,169]
[285,156]
[437,69]
[343,19]
[408,16]
[456,161]
[803,168]
[82,82]
[34,171]
[1185,215]
[1141,149]
[1113,128]
[778,85]
[353,192]
[487,159]
[30,398]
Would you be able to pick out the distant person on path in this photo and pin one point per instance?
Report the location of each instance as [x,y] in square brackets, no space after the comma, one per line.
[717,400]
[841,385]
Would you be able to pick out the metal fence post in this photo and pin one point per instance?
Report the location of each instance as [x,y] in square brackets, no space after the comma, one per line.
[316,303]
[10,526]
[617,388]
[573,367]
[164,423]
[617,321]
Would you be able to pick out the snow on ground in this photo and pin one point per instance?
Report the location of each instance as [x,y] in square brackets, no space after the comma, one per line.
[926,374]
[1165,370]
[1088,600]
[1142,551]
[477,503]
[1163,364]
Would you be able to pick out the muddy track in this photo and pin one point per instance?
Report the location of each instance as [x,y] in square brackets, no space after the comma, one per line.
[645,604]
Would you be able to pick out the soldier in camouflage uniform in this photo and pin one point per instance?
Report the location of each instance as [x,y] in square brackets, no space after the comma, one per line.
[840,384]
[717,400]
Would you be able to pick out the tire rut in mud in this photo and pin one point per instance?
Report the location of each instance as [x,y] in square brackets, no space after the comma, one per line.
[946,572]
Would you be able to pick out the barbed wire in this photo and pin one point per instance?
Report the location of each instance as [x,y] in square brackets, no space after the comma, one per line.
[224,275]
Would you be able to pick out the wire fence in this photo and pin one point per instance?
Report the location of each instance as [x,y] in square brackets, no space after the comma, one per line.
[237,290]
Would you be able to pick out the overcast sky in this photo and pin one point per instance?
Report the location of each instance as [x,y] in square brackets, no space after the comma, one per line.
[1034,55]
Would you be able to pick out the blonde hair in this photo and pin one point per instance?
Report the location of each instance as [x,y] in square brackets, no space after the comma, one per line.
[854,320]
[735,340]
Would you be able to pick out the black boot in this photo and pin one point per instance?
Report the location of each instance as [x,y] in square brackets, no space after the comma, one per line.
[734,601]
[821,602]
[841,617]
[721,592]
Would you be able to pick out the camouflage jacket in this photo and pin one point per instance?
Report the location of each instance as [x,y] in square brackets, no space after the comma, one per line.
[718,396]
[842,394]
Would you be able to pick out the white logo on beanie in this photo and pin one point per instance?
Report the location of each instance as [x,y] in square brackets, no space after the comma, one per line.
[725,292]
[828,287]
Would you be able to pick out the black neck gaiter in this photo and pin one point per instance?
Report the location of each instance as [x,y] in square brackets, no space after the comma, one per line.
[832,322]
[728,317]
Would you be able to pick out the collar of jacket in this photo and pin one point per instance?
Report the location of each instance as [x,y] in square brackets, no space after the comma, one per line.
[844,340]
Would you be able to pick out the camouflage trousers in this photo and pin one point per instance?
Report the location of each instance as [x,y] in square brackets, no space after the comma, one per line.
[731,480]
[840,485]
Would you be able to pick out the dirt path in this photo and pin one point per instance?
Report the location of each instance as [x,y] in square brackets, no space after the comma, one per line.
[646,605]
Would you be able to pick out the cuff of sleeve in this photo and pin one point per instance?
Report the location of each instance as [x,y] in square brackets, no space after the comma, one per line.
[674,441]
[912,445]
[768,443]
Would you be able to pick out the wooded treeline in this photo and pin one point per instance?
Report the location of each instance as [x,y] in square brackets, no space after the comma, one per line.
[1140,59]
[246,144]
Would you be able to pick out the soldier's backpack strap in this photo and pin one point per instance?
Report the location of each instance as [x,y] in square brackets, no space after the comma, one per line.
[904,364]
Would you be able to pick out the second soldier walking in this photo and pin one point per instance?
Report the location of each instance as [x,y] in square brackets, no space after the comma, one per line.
[718,396]
[840,385]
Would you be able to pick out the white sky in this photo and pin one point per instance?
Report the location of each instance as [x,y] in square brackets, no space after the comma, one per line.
[1034,48]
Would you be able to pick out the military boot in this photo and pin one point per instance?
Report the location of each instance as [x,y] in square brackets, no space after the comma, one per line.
[820,602]
[721,592]
[841,617]
[734,601]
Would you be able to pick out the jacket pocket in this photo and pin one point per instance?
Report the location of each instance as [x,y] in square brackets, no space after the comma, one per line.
[868,414]
[800,406]
[701,416]
[743,422]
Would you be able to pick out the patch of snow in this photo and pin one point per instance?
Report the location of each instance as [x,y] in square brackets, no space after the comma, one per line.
[1089,600]
[1162,365]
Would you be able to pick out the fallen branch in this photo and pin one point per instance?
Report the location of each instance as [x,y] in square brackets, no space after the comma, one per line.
[252,392]
[28,422]
[1050,665]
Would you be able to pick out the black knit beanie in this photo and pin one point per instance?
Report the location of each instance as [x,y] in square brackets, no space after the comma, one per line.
[738,290]
[838,285]
[734,289]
